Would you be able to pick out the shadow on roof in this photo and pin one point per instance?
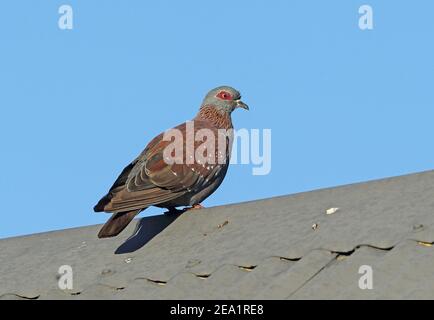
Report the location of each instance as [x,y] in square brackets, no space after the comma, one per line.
[147,228]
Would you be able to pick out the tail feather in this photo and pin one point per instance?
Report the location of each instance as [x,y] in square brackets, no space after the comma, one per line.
[117,223]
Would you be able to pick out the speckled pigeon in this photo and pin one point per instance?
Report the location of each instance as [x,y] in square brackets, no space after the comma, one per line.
[153,180]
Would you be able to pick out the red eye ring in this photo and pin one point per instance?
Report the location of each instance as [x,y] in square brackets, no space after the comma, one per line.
[224,95]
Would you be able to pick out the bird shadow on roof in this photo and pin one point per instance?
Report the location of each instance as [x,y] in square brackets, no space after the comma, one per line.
[146,229]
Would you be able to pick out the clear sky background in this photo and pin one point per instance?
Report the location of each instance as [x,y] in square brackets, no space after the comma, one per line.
[344,105]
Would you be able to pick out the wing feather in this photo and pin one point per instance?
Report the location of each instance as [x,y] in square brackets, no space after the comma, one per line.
[149,180]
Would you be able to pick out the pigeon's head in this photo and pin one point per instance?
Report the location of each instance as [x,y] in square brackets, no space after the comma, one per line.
[225,99]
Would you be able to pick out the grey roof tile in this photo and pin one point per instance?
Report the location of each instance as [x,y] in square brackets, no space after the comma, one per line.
[387,223]
[139,289]
[397,273]
[259,277]
[288,283]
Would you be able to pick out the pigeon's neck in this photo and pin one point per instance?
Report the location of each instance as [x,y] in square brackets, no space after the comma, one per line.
[220,119]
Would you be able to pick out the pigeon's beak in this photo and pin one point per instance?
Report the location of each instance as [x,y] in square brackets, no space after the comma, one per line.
[241,104]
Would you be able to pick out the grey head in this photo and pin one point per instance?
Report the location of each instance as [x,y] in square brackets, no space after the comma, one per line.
[225,99]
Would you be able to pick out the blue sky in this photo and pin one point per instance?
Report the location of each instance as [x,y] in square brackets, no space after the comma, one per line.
[344,105]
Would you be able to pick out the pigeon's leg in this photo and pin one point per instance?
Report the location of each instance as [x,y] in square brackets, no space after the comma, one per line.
[173,210]
[195,207]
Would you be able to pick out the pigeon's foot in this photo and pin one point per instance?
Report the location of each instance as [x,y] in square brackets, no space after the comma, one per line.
[194,207]
[173,210]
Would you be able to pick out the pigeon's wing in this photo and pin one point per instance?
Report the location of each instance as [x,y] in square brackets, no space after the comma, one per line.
[117,186]
[153,180]
[153,169]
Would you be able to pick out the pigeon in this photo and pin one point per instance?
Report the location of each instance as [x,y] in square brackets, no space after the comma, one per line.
[167,174]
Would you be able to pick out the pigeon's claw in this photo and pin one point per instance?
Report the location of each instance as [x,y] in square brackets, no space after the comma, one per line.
[194,207]
[173,210]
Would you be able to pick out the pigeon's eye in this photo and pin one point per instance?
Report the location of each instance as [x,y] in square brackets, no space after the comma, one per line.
[224,95]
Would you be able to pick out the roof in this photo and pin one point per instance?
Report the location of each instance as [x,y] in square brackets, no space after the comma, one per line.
[279,248]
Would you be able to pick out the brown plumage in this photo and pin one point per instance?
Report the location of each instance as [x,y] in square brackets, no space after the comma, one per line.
[152,180]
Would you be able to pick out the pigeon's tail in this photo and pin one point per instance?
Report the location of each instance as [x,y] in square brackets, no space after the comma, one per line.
[117,223]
